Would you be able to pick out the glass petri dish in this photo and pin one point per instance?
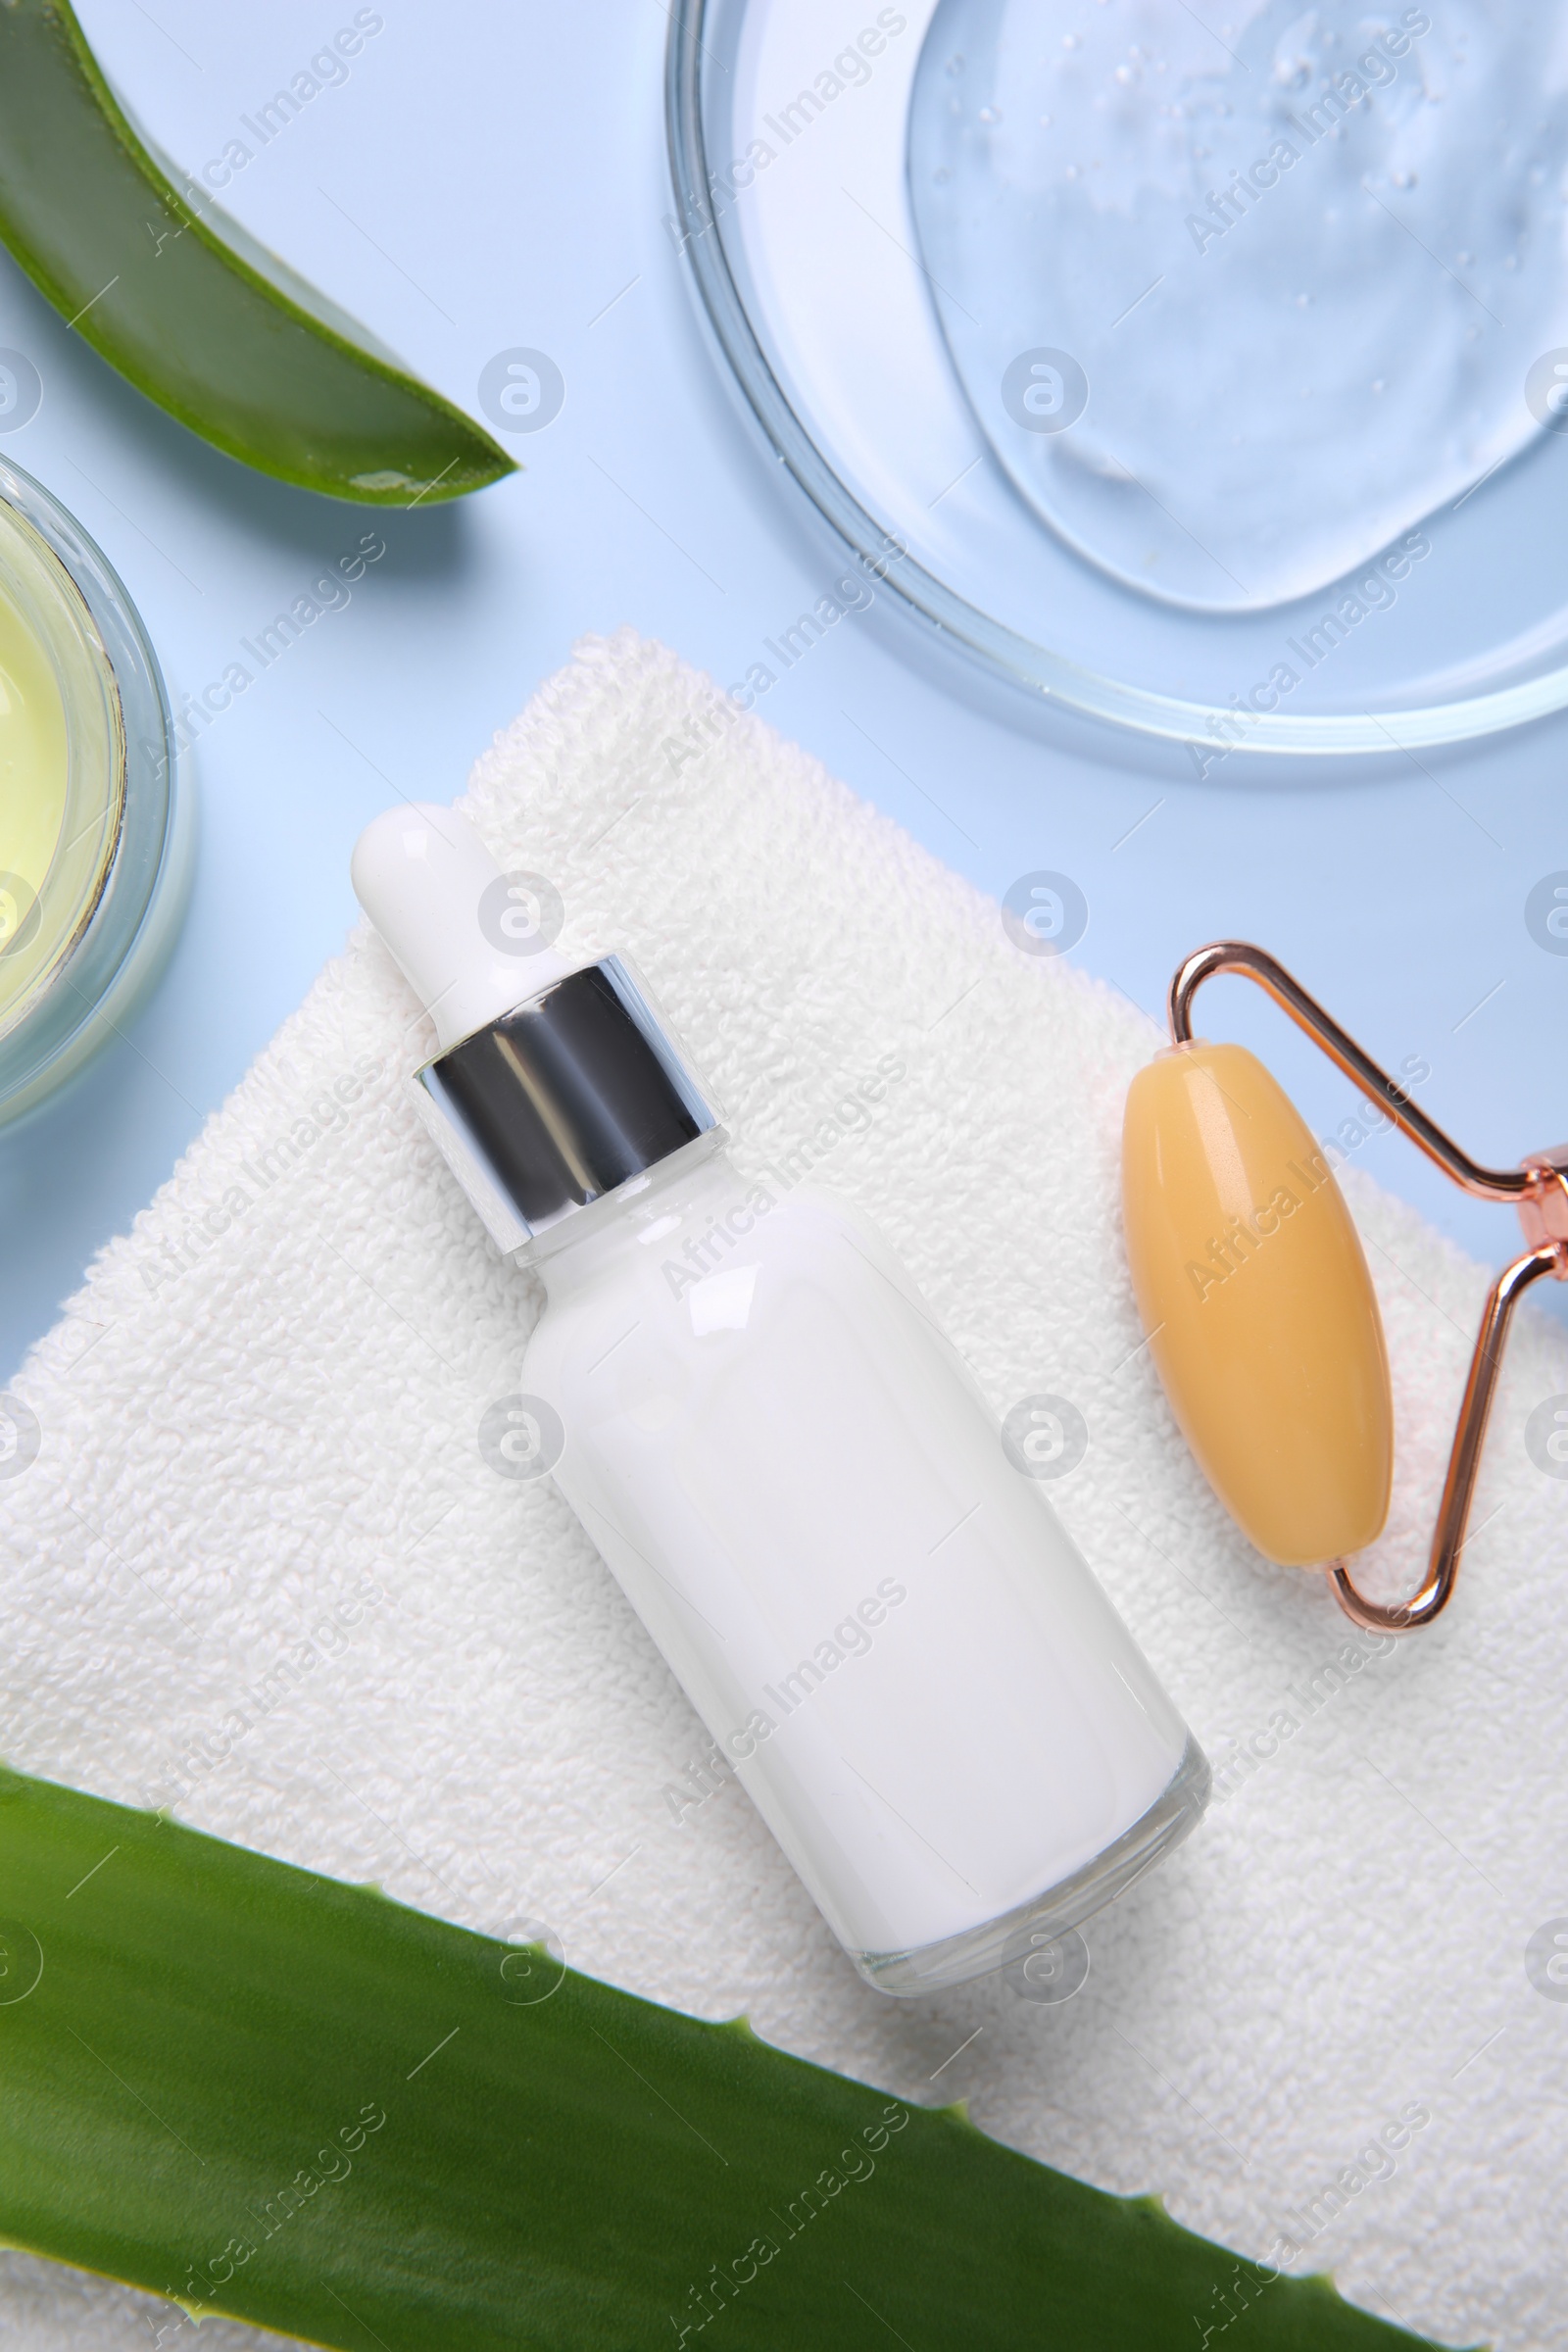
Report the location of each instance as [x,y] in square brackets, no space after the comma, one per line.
[806,252]
[96,834]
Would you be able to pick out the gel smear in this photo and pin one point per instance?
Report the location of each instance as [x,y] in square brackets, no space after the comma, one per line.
[1236,306]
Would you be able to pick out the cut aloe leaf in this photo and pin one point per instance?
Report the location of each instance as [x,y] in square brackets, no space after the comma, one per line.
[186,304]
[267,2094]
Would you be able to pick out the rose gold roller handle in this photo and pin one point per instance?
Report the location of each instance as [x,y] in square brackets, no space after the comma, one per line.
[1254,963]
[1539,1188]
[1464,1461]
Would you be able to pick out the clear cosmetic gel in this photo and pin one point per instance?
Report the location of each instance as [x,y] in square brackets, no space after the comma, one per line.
[928,1698]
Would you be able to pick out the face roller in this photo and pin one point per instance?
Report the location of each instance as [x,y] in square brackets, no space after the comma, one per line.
[1254,1289]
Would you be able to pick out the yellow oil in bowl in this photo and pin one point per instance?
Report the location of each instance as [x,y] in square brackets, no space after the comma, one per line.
[32,796]
[94,841]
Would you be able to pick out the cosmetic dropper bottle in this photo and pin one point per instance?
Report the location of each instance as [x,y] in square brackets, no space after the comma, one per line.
[737,1388]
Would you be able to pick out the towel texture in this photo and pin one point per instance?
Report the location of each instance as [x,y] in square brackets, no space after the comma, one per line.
[262,1570]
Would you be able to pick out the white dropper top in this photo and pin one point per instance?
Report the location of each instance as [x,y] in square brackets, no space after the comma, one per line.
[471,940]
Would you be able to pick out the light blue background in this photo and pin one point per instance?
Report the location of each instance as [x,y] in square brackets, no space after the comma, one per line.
[492,177]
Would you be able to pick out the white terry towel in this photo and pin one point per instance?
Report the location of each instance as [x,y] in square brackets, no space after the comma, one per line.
[260,1570]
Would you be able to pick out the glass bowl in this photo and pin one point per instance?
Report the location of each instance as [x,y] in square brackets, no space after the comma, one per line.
[94,821]
[806,261]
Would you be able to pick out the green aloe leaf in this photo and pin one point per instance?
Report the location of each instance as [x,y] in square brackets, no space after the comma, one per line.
[267,2094]
[184,303]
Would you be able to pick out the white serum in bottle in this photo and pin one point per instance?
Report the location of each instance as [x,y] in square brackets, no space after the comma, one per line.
[741,1393]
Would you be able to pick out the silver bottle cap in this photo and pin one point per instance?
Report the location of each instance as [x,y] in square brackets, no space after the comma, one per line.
[554,1083]
[561,1101]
